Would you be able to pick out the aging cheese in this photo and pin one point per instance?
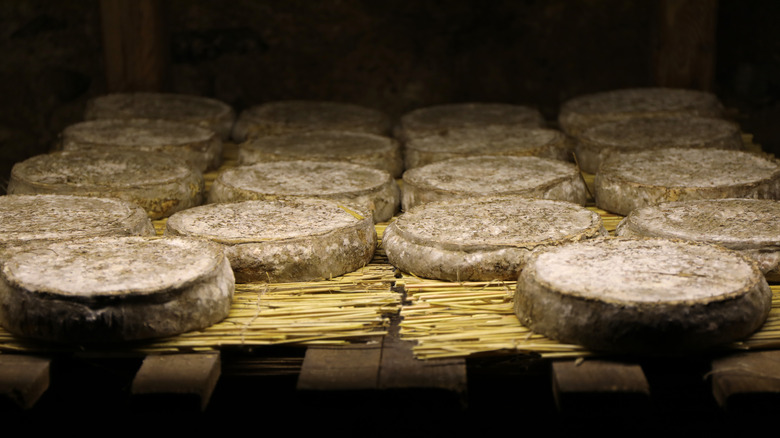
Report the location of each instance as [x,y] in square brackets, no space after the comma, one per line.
[751,226]
[201,111]
[159,183]
[290,116]
[461,178]
[483,239]
[632,180]
[492,140]
[642,296]
[199,147]
[439,119]
[283,240]
[580,113]
[634,135]
[33,218]
[370,150]
[350,184]
[115,289]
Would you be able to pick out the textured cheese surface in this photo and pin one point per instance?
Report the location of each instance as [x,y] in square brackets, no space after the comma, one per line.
[113,266]
[496,222]
[489,174]
[487,141]
[118,168]
[304,178]
[156,106]
[664,132]
[648,271]
[140,133]
[735,223]
[254,221]
[37,217]
[640,100]
[436,119]
[680,167]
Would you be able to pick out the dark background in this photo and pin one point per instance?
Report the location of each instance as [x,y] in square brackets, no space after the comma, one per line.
[393,55]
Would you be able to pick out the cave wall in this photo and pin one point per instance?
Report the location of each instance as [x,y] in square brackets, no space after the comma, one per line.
[394,55]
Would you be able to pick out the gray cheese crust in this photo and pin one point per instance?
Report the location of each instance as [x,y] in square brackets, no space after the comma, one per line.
[26,219]
[351,184]
[291,116]
[462,178]
[582,112]
[434,120]
[283,240]
[633,180]
[492,140]
[370,150]
[485,238]
[634,135]
[751,226]
[159,183]
[196,110]
[642,296]
[115,289]
[200,147]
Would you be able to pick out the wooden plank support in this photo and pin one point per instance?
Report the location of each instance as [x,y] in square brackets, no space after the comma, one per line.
[599,386]
[23,379]
[747,383]
[340,368]
[176,381]
[134,45]
[684,52]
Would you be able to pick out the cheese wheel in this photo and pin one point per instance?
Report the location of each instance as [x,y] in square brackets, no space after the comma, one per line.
[580,113]
[493,140]
[350,184]
[34,218]
[199,147]
[291,116]
[159,183]
[751,226]
[634,135]
[483,239]
[642,296]
[439,119]
[461,178]
[632,180]
[283,240]
[353,147]
[115,289]
[196,110]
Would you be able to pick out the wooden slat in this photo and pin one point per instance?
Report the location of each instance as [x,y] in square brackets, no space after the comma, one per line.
[176,381]
[340,368]
[599,385]
[134,45]
[746,382]
[685,48]
[23,379]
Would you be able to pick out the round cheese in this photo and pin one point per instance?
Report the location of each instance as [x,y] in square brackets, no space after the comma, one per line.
[290,116]
[483,239]
[353,147]
[159,183]
[350,184]
[195,110]
[199,147]
[632,180]
[492,140]
[634,135]
[283,240]
[643,296]
[439,119]
[115,289]
[460,178]
[751,226]
[34,218]
[580,113]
